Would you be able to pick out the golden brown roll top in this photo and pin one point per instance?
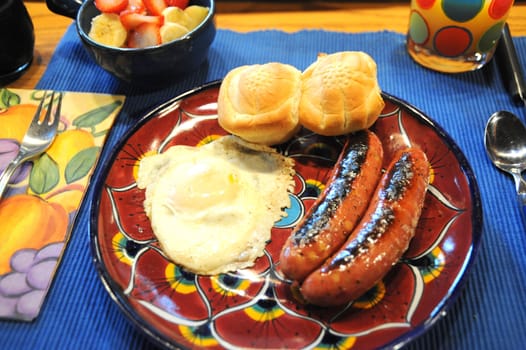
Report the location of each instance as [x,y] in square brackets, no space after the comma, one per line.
[268,103]
[340,94]
[259,103]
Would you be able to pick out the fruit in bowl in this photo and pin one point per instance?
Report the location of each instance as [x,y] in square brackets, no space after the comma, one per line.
[144,23]
[135,55]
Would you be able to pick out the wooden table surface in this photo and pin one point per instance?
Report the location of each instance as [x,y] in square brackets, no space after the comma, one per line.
[246,16]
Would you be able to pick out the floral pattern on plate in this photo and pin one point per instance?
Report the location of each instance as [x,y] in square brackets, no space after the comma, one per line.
[256,307]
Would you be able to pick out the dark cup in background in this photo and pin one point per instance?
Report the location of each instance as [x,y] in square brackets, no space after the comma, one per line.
[17,40]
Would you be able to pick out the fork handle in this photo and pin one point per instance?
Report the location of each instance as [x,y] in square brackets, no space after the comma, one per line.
[8,173]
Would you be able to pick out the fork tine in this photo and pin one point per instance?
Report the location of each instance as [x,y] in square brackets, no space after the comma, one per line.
[49,119]
[49,108]
[36,118]
[56,118]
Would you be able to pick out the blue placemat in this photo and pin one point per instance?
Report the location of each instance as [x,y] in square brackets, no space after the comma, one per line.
[490,311]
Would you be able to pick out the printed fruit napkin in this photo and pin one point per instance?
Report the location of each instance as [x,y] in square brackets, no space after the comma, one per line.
[39,207]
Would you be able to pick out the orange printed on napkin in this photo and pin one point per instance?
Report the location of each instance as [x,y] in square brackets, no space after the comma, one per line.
[44,195]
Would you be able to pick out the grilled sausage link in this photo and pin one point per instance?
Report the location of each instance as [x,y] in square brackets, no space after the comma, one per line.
[337,210]
[381,237]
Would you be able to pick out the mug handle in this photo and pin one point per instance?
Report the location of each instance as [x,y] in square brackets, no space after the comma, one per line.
[68,8]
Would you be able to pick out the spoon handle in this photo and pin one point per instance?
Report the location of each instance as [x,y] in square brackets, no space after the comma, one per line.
[520,184]
[522,203]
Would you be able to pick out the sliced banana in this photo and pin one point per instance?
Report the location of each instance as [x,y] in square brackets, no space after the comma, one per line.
[189,17]
[172,31]
[196,14]
[174,14]
[108,30]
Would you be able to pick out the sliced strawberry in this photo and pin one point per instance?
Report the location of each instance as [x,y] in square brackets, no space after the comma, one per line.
[111,6]
[182,4]
[131,20]
[147,34]
[136,6]
[155,7]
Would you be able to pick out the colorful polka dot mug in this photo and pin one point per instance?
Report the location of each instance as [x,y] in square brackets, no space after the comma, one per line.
[454,36]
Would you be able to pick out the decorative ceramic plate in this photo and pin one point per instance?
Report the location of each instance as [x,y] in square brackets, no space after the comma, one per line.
[256,308]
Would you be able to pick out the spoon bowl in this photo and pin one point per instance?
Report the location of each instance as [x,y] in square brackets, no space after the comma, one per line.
[505,142]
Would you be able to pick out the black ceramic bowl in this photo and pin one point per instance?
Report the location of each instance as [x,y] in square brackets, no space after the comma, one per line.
[150,66]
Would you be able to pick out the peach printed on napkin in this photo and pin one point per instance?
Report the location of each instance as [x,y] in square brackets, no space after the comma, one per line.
[41,202]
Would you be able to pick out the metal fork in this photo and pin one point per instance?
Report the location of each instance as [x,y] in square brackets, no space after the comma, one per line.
[39,136]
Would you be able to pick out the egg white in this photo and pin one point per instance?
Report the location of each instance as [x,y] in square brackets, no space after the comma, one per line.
[212,207]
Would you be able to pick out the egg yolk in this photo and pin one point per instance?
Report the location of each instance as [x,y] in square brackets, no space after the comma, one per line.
[203,185]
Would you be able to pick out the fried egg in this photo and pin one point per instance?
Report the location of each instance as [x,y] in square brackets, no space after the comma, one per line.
[212,207]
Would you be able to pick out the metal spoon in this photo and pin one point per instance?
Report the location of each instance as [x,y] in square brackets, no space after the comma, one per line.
[505,142]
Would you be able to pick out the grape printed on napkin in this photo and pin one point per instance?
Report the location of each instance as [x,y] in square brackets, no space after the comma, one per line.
[41,202]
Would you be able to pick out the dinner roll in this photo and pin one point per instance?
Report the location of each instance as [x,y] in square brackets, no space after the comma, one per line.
[259,103]
[340,94]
